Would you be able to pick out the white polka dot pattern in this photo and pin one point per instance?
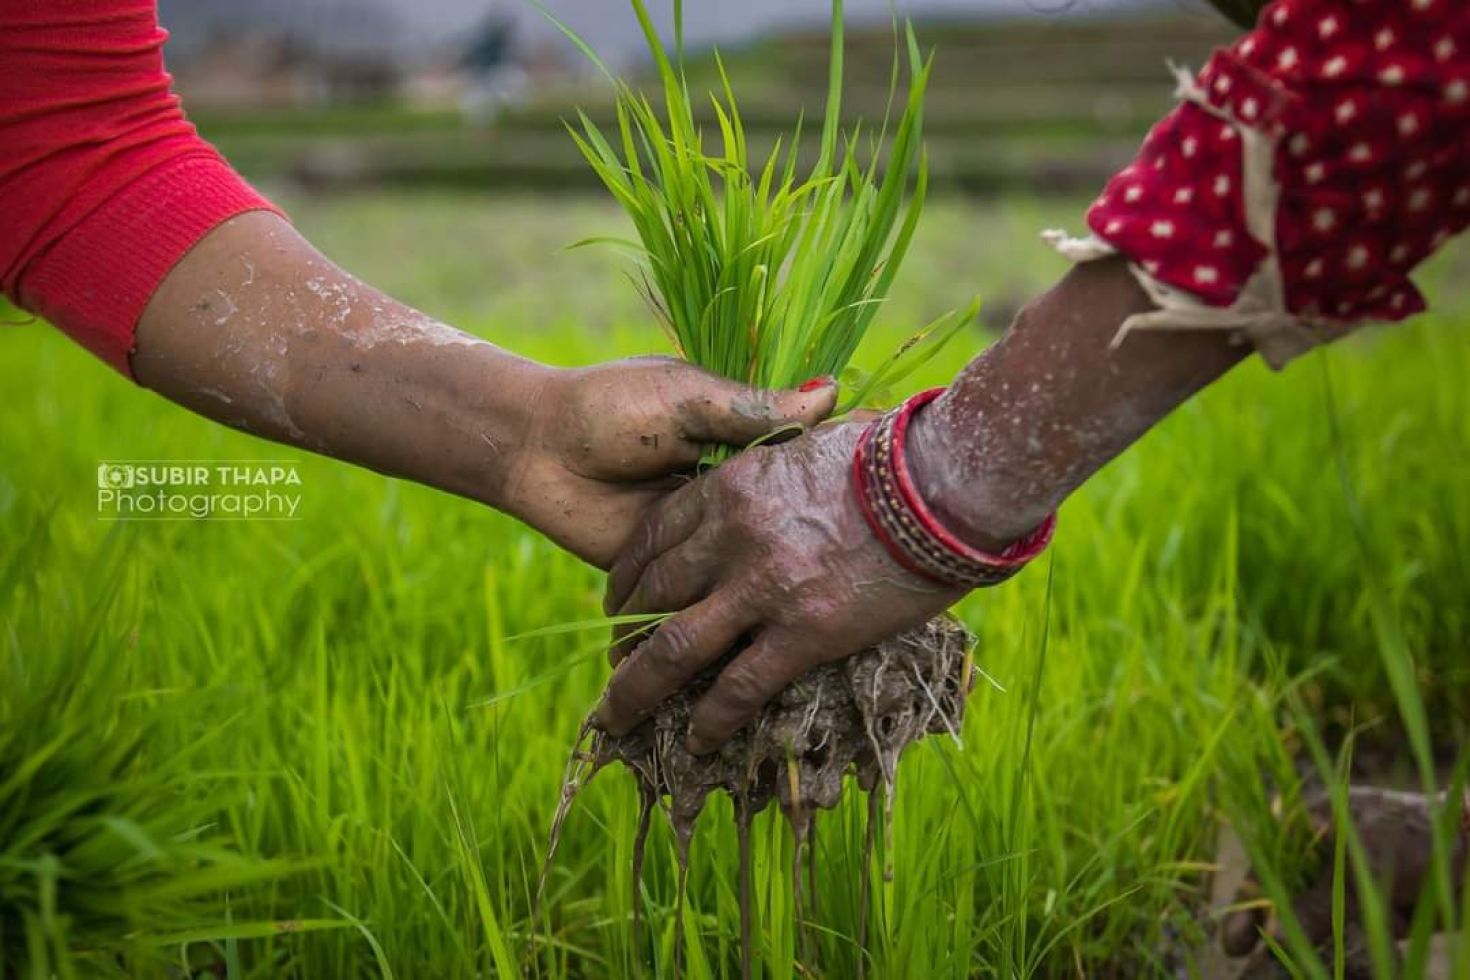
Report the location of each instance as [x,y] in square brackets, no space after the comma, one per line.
[1369,104]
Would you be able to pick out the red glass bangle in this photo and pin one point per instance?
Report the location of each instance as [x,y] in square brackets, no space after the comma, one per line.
[908,527]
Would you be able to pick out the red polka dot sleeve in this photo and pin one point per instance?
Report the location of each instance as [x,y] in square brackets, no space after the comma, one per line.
[1309,169]
[104,185]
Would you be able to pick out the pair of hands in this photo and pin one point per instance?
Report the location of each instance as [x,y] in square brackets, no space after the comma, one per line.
[256,329]
[771,551]
[770,547]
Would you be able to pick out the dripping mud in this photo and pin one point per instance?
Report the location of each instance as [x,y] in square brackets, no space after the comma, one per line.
[853,717]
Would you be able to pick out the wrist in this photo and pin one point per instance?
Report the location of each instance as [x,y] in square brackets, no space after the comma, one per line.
[499,399]
[908,526]
[957,471]
[1016,433]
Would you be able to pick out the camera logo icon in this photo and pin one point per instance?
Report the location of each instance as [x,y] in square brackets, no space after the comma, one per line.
[114,476]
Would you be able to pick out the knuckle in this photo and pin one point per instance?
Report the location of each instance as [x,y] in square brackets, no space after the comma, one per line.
[743,690]
[669,648]
[760,404]
[739,497]
[645,539]
[817,611]
[654,588]
[753,593]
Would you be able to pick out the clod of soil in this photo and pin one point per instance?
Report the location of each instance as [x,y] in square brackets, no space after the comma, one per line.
[856,715]
[853,716]
[1397,831]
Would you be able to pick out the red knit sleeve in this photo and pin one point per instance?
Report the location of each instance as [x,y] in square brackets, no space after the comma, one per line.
[104,185]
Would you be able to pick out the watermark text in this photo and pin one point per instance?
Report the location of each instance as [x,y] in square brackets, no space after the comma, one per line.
[172,490]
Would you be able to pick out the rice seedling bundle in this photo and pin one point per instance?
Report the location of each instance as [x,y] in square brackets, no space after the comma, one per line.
[757,270]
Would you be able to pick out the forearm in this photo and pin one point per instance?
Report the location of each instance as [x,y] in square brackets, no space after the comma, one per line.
[1310,168]
[1051,403]
[255,329]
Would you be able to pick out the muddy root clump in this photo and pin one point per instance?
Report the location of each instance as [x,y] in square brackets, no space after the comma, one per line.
[856,715]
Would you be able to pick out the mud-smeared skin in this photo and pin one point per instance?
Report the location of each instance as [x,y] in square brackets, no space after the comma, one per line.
[1031,419]
[774,554]
[773,545]
[852,717]
[256,329]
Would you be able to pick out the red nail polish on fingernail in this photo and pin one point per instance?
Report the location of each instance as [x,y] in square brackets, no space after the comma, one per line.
[823,381]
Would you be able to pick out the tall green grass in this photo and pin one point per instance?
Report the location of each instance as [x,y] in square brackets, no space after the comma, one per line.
[110,855]
[327,714]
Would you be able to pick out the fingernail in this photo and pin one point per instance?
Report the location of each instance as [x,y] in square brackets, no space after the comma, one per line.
[821,381]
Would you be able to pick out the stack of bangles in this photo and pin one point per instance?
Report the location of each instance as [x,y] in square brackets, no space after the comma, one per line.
[905,524]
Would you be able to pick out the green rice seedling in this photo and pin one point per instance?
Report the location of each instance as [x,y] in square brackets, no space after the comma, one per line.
[111,861]
[1438,892]
[756,271]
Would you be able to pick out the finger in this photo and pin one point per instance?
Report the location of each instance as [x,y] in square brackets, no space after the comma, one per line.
[719,411]
[766,668]
[667,526]
[625,640]
[677,651]
[599,529]
[672,582]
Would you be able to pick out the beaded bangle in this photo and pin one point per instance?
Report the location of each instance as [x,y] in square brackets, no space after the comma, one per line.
[906,526]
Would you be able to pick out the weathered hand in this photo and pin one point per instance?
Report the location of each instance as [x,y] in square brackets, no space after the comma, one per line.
[606,442]
[771,547]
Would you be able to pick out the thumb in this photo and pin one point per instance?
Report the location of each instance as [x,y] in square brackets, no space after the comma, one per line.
[733,414]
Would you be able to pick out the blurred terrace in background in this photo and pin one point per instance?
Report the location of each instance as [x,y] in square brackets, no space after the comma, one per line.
[473,93]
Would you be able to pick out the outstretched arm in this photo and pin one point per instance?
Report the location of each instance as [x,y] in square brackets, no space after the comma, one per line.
[125,229]
[256,329]
[1049,405]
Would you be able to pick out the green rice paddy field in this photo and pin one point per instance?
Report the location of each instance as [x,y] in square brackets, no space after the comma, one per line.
[315,749]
